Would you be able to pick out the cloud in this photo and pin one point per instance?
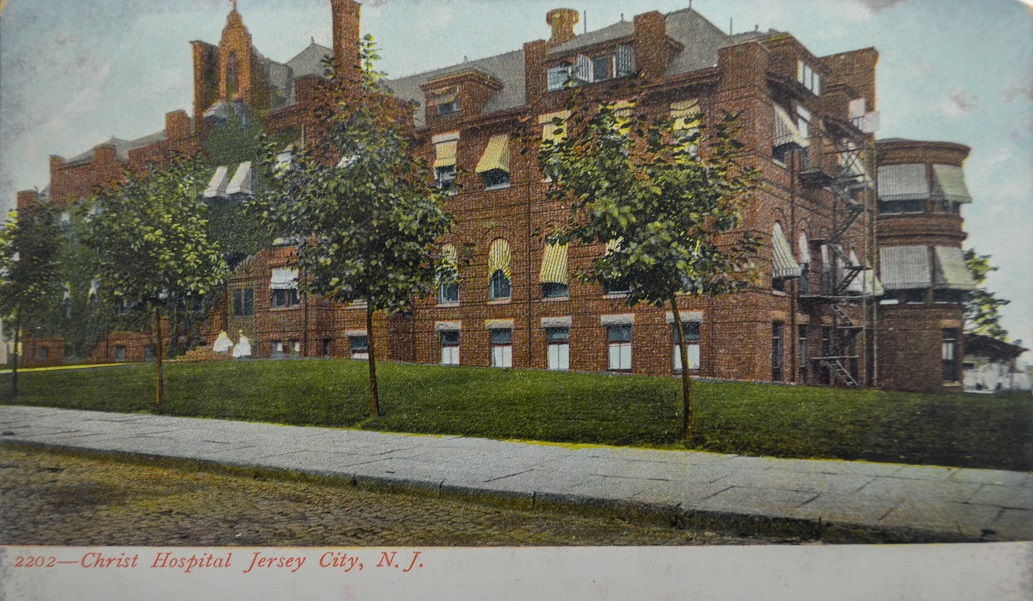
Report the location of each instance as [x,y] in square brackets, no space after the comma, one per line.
[1020,90]
[879,5]
[960,102]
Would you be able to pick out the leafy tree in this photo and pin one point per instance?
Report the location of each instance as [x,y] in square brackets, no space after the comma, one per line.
[664,199]
[982,307]
[150,238]
[29,270]
[360,204]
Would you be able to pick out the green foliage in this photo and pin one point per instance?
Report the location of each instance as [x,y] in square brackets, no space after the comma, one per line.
[360,204]
[982,307]
[29,269]
[150,236]
[732,417]
[667,202]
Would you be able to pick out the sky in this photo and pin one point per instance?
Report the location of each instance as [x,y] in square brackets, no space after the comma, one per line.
[74,74]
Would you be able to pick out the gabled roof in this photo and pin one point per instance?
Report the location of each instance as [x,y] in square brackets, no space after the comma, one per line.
[122,147]
[618,30]
[309,61]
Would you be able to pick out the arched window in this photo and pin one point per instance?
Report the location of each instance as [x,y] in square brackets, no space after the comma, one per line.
[499,261]
[232,68]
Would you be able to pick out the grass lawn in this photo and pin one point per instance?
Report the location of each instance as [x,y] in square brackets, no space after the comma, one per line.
[751,419]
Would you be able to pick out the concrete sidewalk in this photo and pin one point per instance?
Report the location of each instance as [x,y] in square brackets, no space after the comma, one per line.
[872,500]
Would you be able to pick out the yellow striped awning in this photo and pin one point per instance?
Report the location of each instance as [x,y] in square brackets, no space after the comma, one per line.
[554,264]
[685,115]
[499,257]
[552,132]
[446,153]
[496,155]
[449,254]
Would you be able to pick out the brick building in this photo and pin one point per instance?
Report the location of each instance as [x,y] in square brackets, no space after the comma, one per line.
[808,124]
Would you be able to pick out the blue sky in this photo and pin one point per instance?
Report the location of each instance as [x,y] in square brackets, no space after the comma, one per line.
[73,74]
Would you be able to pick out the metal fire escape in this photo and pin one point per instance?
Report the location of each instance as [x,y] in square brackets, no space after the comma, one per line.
[844,171]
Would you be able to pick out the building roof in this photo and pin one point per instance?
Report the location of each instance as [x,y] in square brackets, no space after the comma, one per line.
[122,147]
[309,61]
[978,344]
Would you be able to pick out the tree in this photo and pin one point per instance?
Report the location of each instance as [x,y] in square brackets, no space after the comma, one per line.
[150,236]
[360,204]
[664,199]
[982,307]
[29,246]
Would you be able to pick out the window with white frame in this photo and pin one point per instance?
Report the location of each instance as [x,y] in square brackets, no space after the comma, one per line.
[559,348]
[449,340]
[358,347]
[448,276]
[618,342]
[500,286]
[692,339]
[283,287]
[807,76]
[501,347]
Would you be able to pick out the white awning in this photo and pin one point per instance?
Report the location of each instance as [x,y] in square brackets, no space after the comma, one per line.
[864,283]
[785,266]
[241,182]
[805,248]
[903,182]
[949,184]
[905,267]
[284,279]
[786,131]
[951,271]
[217,185]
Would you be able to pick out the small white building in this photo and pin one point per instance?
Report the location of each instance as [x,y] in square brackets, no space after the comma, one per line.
[990,365]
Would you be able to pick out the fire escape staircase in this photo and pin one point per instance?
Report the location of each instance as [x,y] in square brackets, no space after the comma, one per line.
[849,183]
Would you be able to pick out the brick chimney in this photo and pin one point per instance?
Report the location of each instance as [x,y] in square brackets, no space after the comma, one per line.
[562,21]
[652,51]
[534,69]
[177,125]
[27,199]
[346,33]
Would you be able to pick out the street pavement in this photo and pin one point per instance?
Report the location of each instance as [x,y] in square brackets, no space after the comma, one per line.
[853,500]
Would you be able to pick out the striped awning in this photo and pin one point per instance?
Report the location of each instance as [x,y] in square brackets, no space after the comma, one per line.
[496,155]
[786,131]
[499,257]
[785,266]
[217,185]
[242,180]
[903,182]
[949,184]
[622,111]
[443,96]
[449,255]
[284,160]
[551,132]
[283,279]
[904,267]
[685,115]
[446,153]
[805,248]
[951,271]
[554,265]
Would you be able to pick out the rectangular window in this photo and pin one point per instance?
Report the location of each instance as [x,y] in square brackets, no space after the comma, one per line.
[445,177]
[953,297]
[777,348]
[914,296]
[559,348]
[552,290]
[327,346]
[898,207]
[601,68]
[558,77]
[692,338]
[501,348]
[120,354]
[295,346]
[283,298]
[244,303]
[950,355]
[44,352]
[624,61]
[448,293]
[358,346]
[496,178]
[802,353]
[149,354]
[803,121]
[448,108]
[618,339]
[277,349]
[449,347]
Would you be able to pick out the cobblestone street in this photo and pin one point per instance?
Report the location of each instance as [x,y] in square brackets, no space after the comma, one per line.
[59,499]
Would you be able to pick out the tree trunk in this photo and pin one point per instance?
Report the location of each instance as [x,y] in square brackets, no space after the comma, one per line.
[374,395]
[14,365]
[159,397]
[686,390]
